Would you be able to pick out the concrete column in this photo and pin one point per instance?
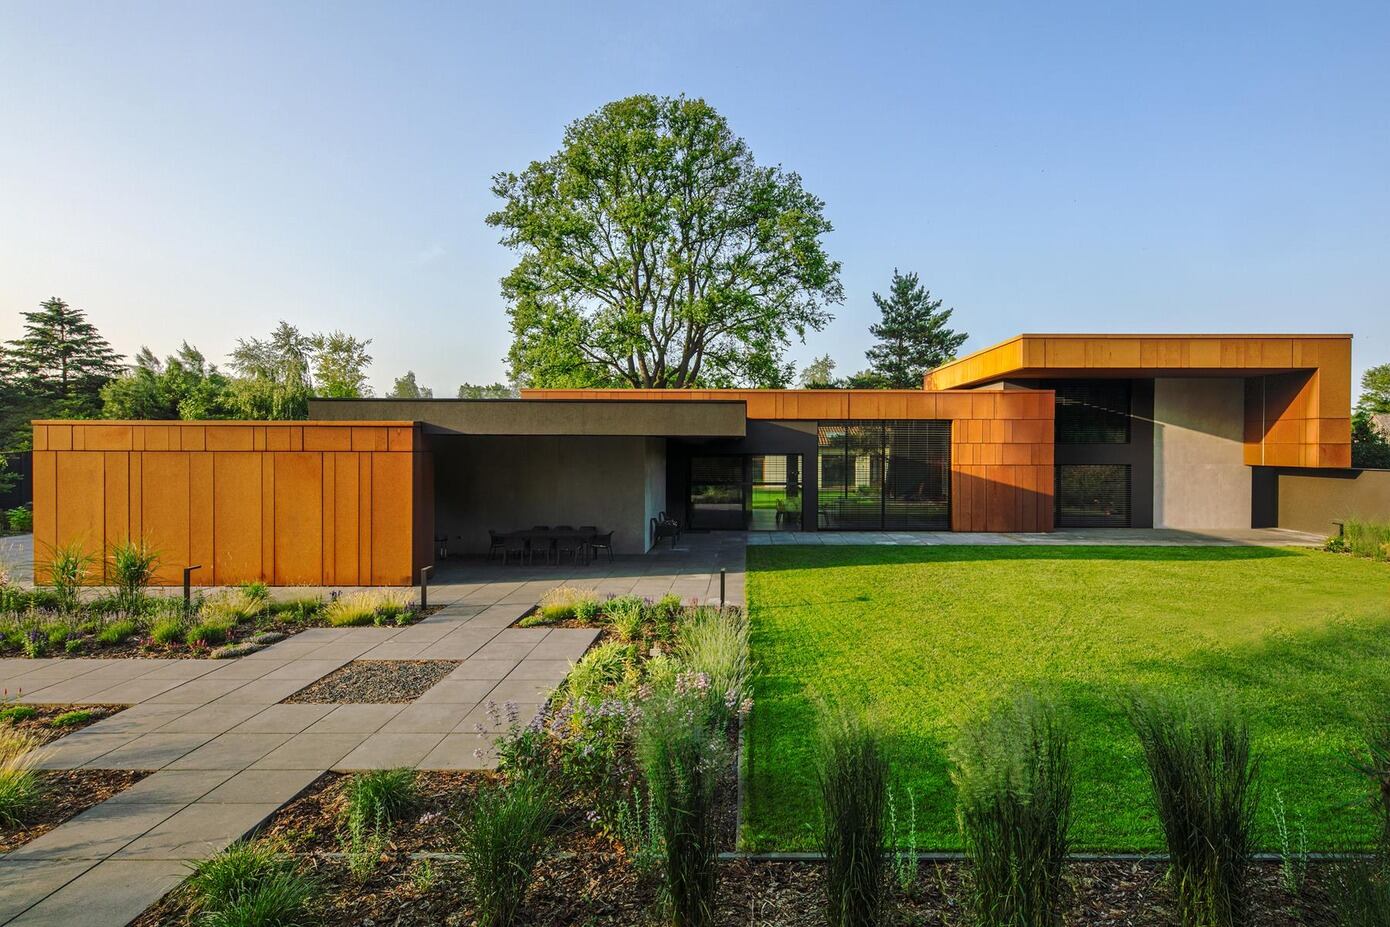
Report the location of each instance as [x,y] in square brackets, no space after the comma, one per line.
[1200,477]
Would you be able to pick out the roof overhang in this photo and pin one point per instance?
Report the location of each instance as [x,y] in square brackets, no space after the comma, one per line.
[1043,356]
[726,418]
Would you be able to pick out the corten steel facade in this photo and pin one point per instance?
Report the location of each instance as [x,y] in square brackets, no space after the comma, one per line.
[301,503]
[1039,432]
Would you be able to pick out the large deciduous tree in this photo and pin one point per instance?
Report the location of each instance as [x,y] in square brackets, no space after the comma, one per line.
[655,252]
[406,388]
[1370,445]
[912,335]
[340,365]
[183,385]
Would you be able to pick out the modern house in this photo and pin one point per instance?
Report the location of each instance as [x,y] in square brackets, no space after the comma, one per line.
[1039,432]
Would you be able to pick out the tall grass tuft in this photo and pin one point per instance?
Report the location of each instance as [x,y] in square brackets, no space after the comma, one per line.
[380,796]
[249,885]
[715,642]
[1205,790]
[69,567]
[500,844]
[1368,538]
[133,564]
[1360,891]
[1013,777]
[683,756]
[853,775]
[19,784]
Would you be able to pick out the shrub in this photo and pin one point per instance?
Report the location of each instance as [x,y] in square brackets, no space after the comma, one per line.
[380,796]
[368,606]
[255,591]
[69,567]
[393,606]
[299,609]
[75,717]
[682,759]
[500,844]
[132,570]
[1205,793]
[207,634]
[625,615]
[19,785]
[562,602]
[853,776]
[249,884]
[21,520]
[603,667]
[715,642]
[168,629]
[1013,779]
[13,714]
[587,610]
[118,630]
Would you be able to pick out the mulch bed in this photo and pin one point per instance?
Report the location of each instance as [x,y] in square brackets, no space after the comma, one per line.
[585,879]
[377,682]
[66,793]
[41,724]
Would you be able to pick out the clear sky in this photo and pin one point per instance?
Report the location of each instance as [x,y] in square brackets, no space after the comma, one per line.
[200,170]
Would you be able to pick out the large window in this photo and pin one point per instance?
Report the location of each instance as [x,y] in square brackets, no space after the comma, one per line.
[877,475]
[741,492]
[1093,412]
[1093,496]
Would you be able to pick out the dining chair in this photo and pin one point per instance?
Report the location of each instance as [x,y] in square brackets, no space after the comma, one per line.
[602,542]
[495,544]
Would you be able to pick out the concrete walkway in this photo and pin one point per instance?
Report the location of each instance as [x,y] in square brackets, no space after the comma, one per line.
[226,755]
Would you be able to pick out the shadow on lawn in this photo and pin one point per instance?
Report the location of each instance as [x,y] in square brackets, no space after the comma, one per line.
[778,557]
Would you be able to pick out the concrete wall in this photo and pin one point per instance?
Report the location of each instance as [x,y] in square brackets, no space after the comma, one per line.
[1312,499]
[506,483]
[1200,476]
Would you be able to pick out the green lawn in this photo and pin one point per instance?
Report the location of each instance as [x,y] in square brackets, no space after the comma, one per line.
[929,636]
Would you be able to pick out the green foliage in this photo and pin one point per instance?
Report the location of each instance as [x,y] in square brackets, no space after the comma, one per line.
[249,885]
[133,564]
[492,391]
[1370,448]
[655,252]
[56,369]
[604,666]
[1373,764]
[1205,792]
[500,844]
[13,714]
[682,758]
[369,606]
[69,567]
[912,337]
[852,772]
[182,386]
[117,631]
[340,364]
[715,642]
[19,784]
[231,606]
[20,520]
[207,634]
[75,717]
[1360,893]
[818,374]
[406,388]
[1366,539]
[380,796]
[587,610]
[560,603]
[255,591]
[1013,779]
[168,629]
[1375,390]
[273,375]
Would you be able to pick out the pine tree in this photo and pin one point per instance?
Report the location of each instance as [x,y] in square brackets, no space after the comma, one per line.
[61,362]
[913,337]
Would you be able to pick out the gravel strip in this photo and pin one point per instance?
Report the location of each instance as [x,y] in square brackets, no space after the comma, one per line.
[376,682]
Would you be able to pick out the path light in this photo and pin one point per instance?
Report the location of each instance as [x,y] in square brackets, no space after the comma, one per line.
[425,572]
[722,573]
[188,586]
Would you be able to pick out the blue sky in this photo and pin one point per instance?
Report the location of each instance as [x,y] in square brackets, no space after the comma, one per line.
[199,171]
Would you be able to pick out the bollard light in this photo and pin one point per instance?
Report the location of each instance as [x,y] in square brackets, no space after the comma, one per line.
[425,586]
[188,586]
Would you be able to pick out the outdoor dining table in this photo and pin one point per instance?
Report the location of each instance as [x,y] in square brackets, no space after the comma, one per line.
[550,535]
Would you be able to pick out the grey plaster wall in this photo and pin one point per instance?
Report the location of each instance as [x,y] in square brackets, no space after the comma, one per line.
[506,483]
[1200,476]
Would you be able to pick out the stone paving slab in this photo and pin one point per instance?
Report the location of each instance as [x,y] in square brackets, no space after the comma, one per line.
[113,892]
[151,751]
[172,786]
[258,786]
[24,883]
[355,719]
[199,830]
[230,751]
[283,719]
[97,832]
[311,751]
[389,750]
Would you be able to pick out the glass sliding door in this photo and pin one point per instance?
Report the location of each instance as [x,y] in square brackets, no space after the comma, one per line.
[746,492]
[877,475]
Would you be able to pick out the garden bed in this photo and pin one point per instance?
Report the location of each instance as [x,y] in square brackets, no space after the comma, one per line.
[376,682]
[47,723]
[587,878]
[65,793]
[45,622]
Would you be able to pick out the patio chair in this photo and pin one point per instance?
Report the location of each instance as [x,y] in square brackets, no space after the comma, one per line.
[519,546]
[574,545]
[664,529]
[602,542]
[495,544]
